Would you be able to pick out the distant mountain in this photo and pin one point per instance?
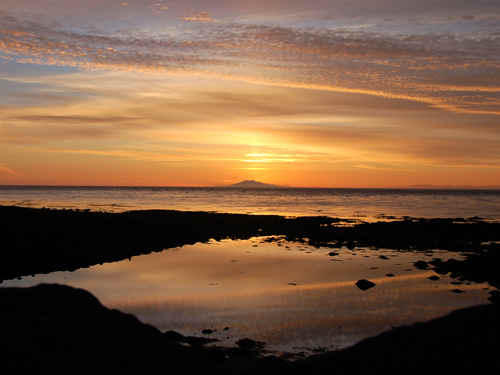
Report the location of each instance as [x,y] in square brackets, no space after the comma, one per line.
[251,184]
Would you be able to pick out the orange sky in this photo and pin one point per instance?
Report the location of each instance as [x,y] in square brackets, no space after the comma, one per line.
[219,99]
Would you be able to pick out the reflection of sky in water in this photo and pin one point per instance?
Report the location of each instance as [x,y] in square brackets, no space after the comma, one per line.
[290,296]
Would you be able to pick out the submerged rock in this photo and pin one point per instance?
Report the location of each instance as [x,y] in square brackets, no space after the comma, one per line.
[365,284]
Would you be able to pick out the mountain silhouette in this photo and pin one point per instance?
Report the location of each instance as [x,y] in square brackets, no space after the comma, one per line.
[254,185]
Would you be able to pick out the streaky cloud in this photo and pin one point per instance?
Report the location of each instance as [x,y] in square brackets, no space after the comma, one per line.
[451,73]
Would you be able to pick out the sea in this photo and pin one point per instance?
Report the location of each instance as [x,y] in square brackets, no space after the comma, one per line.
[294,297]
[362,204]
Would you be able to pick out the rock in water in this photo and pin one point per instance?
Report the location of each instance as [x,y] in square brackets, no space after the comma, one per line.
[421,265]
[365,284]
[249,344]
[494,296]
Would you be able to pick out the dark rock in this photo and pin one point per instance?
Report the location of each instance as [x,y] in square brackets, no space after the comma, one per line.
[365,284]
[494,296]
[333,253]
[250,345]
[208,331]
[383,257]
[458,291]
[434,278]
[421,265]
[459,341]
[198,341]
[389,275]
[173,336]
[176,337]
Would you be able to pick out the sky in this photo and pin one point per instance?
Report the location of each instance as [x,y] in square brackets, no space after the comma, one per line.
[321,93]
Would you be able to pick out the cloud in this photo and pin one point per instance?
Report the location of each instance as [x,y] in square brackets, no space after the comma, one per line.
[158,7]
[200,17]
[6,171]
[445,71]
[252,125]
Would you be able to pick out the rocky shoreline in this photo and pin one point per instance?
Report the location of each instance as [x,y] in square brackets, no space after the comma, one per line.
[38,240]
[57,329]
[54,328]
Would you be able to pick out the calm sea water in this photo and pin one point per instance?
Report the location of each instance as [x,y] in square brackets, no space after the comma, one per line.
[365,204]
[292,296]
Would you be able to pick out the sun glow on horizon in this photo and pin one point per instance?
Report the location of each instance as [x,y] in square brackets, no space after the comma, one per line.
[166,94]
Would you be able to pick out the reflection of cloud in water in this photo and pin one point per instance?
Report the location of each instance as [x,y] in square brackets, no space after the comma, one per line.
[200,286]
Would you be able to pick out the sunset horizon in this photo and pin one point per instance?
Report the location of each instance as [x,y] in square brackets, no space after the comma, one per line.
[250,187]
[206,93]
[280,186]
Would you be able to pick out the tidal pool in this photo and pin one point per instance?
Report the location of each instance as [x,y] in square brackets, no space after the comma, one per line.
[291,296]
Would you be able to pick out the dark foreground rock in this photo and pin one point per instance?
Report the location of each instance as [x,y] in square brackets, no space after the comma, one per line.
[55,329]
[46,240]
[463,342]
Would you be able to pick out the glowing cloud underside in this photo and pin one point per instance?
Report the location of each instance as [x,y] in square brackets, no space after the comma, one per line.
[206,93]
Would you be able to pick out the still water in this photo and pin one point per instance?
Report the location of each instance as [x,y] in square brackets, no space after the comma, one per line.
[293,297]
[365,204]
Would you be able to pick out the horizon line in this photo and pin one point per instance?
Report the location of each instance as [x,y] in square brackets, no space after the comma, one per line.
[275,187]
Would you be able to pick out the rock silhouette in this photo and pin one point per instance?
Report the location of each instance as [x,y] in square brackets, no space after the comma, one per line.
[58,329]
[365,284]
[47,240]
